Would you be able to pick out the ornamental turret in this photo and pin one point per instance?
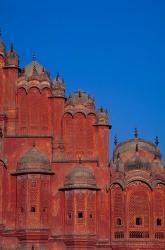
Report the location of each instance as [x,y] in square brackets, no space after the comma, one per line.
[33,197]
[80,101]
[12,59]
[102,117]
[102,129]
[34,75]
[58,87]
[2,46]
[80,207]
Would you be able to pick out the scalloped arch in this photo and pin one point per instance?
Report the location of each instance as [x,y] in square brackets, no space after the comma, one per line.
[21,90]
[119,183]
[79,113]
[68,113]
[32,88]
[144,181]
[156,183]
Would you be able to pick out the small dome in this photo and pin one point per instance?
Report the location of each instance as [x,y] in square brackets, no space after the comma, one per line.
[12,58]
[33,161]
[34,75]
[137,154]
[102,117]
[80,100]
[80,178]
[33,68]
[58,87]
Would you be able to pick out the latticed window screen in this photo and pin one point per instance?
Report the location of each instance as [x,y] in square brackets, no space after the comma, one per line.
[138,209]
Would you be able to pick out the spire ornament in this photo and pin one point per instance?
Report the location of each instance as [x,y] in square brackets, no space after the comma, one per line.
[11,47]
[115,140]
[57,76]
[136,133]
[157,141]
[34,57]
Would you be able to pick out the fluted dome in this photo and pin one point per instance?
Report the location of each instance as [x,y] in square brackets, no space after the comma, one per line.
[33,161]
[137,154]
[34,75]
[80,100]
[80,177]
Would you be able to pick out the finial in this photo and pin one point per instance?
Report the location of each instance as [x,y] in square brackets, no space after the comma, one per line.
[157,141]
[34,57]
[101,109]
[11,47]
[79,93]
[57,76]
[136,133]
[115,140]
[43,70]
[33,247]
[34,144]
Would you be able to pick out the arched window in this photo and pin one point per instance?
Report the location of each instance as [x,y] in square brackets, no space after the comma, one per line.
[118,222]
[138,221]
[158,222]
[80,215]
[33,209]
[90,216]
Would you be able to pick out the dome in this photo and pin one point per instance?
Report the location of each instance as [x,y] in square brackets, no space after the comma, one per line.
[33,68]
[102,117]
[33,161]
[80,100]
[80,178]
[137,154]
[34,75]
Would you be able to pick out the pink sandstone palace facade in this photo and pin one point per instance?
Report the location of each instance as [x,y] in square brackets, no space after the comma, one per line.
[58,188]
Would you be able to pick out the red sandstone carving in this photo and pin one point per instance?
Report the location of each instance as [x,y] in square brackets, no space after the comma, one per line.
[58,189]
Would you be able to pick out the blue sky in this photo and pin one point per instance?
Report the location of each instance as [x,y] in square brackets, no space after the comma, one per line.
[115,50]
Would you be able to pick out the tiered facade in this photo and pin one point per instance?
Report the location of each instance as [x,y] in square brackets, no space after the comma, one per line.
[58,188]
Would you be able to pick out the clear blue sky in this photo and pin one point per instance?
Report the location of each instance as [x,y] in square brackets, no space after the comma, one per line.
[113,49]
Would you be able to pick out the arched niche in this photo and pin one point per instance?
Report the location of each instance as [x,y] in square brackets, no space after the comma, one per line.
[117,211]
[80,135]
[90,133]
[138,207]
[159,207]
[67,133]
[22,104]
